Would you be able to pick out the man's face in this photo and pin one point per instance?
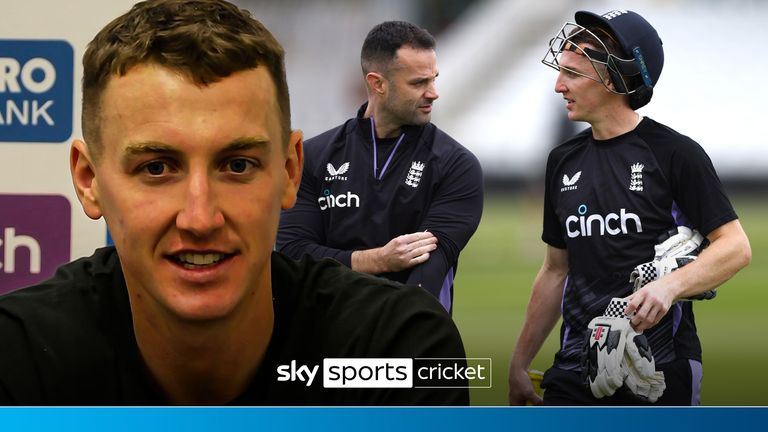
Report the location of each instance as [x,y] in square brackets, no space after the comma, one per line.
[191,182]
[411,88]
[584,96]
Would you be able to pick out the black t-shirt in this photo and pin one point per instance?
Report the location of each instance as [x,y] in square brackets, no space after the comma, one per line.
[606,202]
[431,183]
[70,340]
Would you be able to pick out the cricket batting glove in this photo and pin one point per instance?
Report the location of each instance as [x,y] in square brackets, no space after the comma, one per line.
[679,241]
[648,272]
[642,378]
[603,352]
[676,248]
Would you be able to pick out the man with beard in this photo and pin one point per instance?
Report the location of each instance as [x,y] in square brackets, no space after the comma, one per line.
[388,193]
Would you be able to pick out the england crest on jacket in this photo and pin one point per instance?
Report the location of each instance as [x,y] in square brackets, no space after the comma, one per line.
[414,174]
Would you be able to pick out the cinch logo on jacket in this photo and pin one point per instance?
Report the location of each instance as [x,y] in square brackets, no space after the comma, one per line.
[342,200]
[613,224]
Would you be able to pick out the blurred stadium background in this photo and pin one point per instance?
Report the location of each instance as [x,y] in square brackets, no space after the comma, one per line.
[498,100]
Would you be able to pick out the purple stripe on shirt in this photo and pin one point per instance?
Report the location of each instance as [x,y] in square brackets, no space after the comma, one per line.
[677,316]
[445,291]
[567,328]
[677,309]
[697,374]
[678,216]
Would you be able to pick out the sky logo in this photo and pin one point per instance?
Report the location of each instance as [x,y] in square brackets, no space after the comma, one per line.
[36,87]
[34,238]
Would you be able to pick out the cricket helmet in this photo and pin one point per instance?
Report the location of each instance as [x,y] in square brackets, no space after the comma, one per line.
[634,71]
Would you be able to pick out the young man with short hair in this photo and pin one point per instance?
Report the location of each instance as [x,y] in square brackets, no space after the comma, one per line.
[610,192]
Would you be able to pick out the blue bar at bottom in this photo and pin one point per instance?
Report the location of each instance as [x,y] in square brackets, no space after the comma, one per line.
[472,419]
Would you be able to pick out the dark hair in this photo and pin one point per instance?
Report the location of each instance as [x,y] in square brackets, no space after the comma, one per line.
[205,40]
[383,41]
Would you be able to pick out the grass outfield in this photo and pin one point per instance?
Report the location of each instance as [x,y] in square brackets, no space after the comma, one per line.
[500,262]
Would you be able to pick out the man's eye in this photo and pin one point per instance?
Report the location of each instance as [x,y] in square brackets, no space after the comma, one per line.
[239,165]
[155,168]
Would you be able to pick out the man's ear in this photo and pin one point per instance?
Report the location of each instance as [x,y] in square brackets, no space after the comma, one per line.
[81,167]
[294,164]
[376,83]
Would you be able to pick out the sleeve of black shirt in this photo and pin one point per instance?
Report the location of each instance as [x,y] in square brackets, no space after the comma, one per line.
[697,188]
[552,232]
[452,217]
[301,227]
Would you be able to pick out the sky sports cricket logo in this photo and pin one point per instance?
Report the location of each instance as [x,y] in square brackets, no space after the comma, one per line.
[36,87]
[391,373]
[34,238]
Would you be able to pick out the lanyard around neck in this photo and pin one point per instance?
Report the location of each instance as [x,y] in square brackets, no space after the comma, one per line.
[375,158]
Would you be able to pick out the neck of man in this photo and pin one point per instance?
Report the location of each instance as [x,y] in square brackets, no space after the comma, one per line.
[205,362]
[614,121]
[386,127]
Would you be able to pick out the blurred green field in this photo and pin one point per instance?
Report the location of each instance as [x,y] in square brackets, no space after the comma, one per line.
[500,262]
